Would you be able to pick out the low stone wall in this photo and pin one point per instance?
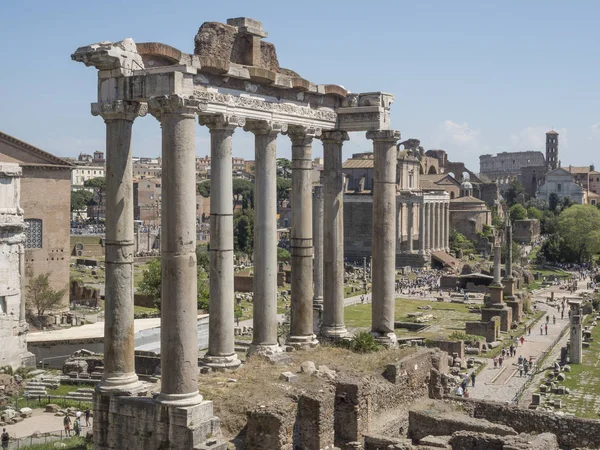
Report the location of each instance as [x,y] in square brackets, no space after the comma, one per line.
[386,443]
[466,440]
[427,423]
[572,432]
[489,330]
[314,422]
[146,363]
[147,301]
[452,347]
[270,428]
[243,283]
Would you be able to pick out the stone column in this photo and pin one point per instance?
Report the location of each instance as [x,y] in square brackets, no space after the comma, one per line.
[119,368]
[23,287]
[317,217]
[264,340]
[221,348]
[422,233]
[440,226]
[179,310]
[434,224]
[333,243]
[301,245]
[497,255]
[384,240]
[426,234]
[447,227]
[431,226]
[410,226]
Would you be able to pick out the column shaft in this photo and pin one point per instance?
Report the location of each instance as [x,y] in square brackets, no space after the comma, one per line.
[318,246]
[179,310]
[438,226]
[422,238]
[384,227]
[221,348]
[119,368]
[447,228]
[333,244]
[301,245]
[410,227]
[264,338]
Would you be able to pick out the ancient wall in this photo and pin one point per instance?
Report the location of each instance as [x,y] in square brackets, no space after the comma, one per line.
[489,330]
[451,347]
[314,423]
[526,231]
[506,163]
[572,432]
[358,226]
[54,211]
[489,193]
[469,223]
[270,428]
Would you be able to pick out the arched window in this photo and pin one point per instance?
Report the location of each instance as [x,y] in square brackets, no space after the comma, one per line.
[33,234]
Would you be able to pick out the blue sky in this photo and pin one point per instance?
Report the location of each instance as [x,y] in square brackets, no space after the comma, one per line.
[471,77]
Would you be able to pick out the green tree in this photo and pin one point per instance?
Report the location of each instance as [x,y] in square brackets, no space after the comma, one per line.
[283,254]
[553,200]
[517,212]
[515,189]
[99,186]
[534,213]
[243,190]
[284,186]
[80,199]
[579,227]
[40,296]
[552,248]
[284,168]
[203,188]
[243,231]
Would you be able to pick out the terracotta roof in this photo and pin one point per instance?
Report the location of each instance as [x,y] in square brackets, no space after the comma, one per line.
[593,194]
[52,160]
[552,132]
[466,200]
[427,185]
[358,164]
[578,169]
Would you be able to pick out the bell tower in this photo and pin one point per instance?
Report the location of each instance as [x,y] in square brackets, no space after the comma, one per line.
[552,149]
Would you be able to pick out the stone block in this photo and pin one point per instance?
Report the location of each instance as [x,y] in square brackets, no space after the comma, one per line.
[535,399]
[435,441]
[288,376]
[308,367]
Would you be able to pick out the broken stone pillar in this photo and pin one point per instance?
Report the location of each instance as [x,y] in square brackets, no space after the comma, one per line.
[496,288]
[384,235]
[333,239]
[301,246]
[353,410]
[119,368]
[509,281]
[496,306]
[264,338]
[314,421]
[221,348]
[317,217]
[575,343]
[179,324]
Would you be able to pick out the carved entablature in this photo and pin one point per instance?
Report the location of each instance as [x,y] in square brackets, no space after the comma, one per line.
[255,107]
[365,112]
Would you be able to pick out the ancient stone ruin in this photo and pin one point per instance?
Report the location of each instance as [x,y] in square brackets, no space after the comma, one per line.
[232,80]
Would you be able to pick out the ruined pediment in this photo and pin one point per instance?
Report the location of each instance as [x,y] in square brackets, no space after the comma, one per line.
[16,151]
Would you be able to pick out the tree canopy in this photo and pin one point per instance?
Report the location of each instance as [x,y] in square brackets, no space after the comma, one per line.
[515,189]
[517,212]
[243,190]
[284,168]
[284,186]
[579,228]
[81,199]
[41,297]
[203,188]
[534,213]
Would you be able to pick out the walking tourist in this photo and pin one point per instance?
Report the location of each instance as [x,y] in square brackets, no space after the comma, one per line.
[523,339]
[546,329]
[500,361]
[473,379]
[5,438]
[541,330]
[67,424]
[520,366]
[495,362]
[87,417]
[554,320]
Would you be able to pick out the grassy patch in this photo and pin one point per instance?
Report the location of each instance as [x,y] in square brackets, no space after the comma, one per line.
[584,382]
[74,443]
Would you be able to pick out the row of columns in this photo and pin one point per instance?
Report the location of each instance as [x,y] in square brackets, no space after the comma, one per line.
[177,116]
[434,226]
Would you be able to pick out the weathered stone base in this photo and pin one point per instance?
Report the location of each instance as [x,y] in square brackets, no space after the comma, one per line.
[500,310]
[140,423]
[489,330]
[509,287]
[264,349]
[387,339]
[334,332]
[230,362]
[496,293]
[302,342]
[413,259]
[517,308]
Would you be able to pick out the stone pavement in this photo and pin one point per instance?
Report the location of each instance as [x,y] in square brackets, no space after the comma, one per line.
[503,384]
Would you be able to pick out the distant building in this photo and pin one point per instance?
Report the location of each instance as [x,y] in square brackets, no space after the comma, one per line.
[147,200]
[46,201]
[468,214]
[562,183]
[145,168]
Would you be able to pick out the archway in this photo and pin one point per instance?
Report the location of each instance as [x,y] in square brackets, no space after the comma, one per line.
[432,171]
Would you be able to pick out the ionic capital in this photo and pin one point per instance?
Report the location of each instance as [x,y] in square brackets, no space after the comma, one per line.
[265,127]
[227,122]
[119,109]
[175,104]
[334,136]
[384,135]
[302,135]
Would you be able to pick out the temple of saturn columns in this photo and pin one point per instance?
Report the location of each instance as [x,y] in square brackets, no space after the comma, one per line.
[231,82]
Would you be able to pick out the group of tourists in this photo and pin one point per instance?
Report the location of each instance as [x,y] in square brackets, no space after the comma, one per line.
[462,388]
[77,426]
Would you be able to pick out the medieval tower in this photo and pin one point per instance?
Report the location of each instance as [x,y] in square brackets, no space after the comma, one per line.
[552,149]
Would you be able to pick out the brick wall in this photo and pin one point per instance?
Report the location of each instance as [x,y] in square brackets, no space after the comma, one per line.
[358,226]
[46,195]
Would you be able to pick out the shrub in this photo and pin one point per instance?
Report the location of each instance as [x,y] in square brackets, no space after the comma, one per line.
[363,342]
